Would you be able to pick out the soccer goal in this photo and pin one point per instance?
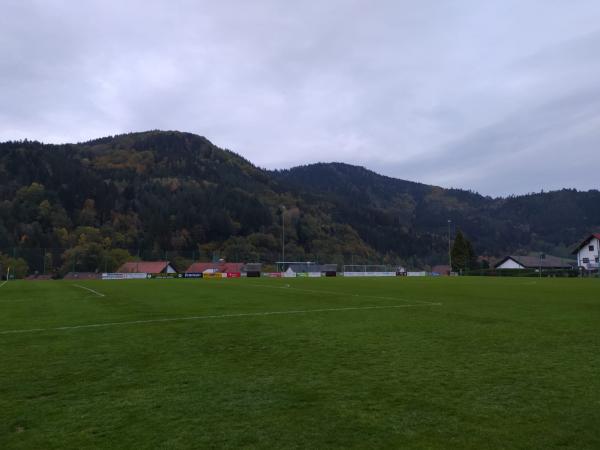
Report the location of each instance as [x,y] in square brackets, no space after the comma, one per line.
[368,270]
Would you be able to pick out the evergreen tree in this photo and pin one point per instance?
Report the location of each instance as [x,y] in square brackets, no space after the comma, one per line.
[471,256]
[463,255]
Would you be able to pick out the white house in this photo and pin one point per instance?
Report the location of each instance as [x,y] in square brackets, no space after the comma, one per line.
[509,263]
[588,252]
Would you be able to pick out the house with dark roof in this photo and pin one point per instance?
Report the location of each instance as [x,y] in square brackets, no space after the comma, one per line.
[534,262]
[330,270]
[252,269]
[588,253]
[147,267]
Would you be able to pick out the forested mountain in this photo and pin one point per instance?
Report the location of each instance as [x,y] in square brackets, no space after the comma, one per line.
[91,205]
[551,222]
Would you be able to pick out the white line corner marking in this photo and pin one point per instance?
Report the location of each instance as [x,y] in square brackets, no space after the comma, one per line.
[220,316]
[99,294]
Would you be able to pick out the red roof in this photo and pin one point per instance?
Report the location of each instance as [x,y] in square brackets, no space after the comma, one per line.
[144,267]
[233,267]
[200,267]
[441,269]
[586,240]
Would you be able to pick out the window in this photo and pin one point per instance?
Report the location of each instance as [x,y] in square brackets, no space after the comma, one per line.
[591,248]
[597,259]
[586,260]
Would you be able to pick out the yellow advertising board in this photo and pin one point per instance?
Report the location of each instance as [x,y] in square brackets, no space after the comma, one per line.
[213,275]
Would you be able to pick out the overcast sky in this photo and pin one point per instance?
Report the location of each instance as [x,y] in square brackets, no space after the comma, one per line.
[498,96]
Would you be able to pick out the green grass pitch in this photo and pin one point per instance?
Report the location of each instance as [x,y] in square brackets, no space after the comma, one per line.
[301,363]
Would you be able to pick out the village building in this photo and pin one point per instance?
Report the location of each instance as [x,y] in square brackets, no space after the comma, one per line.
[588,253]
[534,262]
[215,267]
[329,270]
[152,267]
[441,270]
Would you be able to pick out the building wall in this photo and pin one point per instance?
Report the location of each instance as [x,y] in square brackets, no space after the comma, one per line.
[586,253]
[170,269]
[510,264]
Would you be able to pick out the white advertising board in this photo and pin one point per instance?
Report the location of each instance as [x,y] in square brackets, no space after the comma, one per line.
[124,276]
[369,274]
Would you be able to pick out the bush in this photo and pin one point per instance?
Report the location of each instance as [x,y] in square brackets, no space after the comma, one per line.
[18,266]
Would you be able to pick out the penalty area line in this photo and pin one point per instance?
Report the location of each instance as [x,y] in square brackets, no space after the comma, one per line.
[99,294]
[219,316]
[2,284]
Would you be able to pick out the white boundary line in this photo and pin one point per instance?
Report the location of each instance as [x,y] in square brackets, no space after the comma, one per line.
[2,284]
[220,316]
[314,291]
[99,294]
[19,300]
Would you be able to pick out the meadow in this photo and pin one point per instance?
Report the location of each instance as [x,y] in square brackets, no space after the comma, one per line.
[430,363]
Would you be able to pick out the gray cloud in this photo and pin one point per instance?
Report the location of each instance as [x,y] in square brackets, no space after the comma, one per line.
[500,97]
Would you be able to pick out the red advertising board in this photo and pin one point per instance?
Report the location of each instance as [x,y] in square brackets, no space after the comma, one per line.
[234,274]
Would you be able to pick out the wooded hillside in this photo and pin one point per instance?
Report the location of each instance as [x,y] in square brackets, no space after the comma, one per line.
[90,206]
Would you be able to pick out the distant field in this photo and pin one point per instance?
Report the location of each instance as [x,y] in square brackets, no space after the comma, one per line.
[311,363]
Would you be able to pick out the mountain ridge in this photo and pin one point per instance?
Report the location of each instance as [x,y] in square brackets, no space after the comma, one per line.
[167,190]
[108,138]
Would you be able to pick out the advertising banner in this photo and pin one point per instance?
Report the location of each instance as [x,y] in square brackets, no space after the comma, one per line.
[273,274]
[192,275]
[165,276]
[234,274]
[124,276]
[210,275]
[369,274]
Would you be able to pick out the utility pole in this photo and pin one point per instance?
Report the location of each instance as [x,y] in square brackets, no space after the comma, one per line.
[597,258]
[282,238]
[449,246]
